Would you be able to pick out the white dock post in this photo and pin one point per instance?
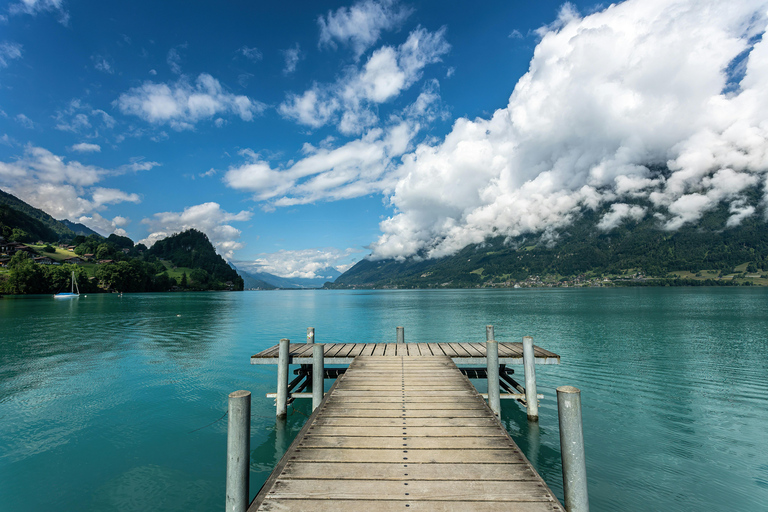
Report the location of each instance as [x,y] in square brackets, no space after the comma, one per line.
[282,378]
[401,335]
[489,336]
[318,375]
[492,362]
[238,450]
[310,334]
[572,449]
[530,379]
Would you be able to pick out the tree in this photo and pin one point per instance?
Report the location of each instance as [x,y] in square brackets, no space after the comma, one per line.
[183,282]
[25,276]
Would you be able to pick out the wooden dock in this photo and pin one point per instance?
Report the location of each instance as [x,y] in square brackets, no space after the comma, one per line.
[403,429]
[460,353]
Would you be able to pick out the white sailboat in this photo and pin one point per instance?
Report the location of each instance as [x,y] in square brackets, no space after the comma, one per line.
[71,294]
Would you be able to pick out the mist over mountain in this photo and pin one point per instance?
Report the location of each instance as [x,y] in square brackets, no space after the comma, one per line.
[648,109]
[632,250]
[265,280]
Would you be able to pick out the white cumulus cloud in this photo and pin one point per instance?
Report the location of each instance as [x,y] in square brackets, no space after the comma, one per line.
[609,101]
[349,102]
[85,147]
[305,263]
[182,104]
[360,26]
[61,188]
[356,168]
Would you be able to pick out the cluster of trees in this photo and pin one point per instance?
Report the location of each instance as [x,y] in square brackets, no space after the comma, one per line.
[26,276]
[139,270]
[18,227]
[110,248]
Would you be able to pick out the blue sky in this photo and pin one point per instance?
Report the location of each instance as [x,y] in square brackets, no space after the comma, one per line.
[306,134]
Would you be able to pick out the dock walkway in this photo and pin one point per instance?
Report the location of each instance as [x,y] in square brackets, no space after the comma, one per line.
[404,432]
[460,353]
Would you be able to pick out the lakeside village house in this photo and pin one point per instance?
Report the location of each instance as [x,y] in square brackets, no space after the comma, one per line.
[8,249]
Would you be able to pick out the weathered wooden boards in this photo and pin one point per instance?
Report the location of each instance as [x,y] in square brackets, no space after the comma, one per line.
[460,353]
[404,433]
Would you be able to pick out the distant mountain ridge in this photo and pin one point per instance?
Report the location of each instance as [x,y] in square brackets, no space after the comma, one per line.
[79,229]
[700,253]
[328,274]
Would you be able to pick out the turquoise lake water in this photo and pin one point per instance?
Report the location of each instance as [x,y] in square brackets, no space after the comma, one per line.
[103,399]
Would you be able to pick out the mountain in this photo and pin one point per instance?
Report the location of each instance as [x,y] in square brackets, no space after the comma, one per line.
[636,252]
[252,283]
[328,274]
[17,204]
[79,229]
[16,226]
[192,249]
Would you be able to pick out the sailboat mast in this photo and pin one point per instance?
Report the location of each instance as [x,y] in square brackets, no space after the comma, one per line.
[73,282]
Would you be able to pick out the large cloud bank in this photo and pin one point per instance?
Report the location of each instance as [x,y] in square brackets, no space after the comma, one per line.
[681,84]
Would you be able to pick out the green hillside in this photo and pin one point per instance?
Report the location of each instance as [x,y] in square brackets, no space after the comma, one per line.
[192,249]
[636,253]
[16,226]
[56,226]
[185,261]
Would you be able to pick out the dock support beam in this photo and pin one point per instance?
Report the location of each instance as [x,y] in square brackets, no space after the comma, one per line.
[318,375]
[529,361]
[282,378]
[310,334]
[238,450]
[492,361]
[401,334]
[572,449]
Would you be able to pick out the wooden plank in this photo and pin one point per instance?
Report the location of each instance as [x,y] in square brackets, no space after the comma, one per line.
[425,350]
[368,349]
[510,350]
[322,505]
[338,411]
[379,350]
[497,456]
[400,398]
[474,349]
[393,406]
[416,443]
[460,350]
[397,431]
[333,349]
[379,471]
[419,490]
[411,422]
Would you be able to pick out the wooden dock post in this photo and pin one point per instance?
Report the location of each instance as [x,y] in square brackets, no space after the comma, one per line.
[529,362]
[318,375]
[401,335]
[282,378]
[238,450]
[492,362]
[310,334]
[572,449]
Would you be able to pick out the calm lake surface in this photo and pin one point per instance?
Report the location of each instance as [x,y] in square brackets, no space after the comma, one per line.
[103,399]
